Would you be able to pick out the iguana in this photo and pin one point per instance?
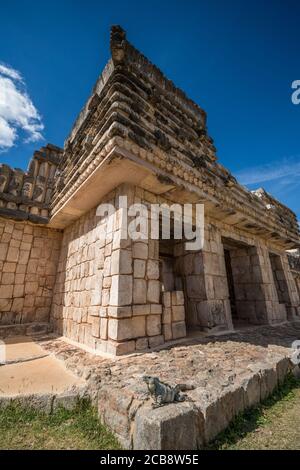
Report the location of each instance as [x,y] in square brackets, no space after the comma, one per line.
[162,393]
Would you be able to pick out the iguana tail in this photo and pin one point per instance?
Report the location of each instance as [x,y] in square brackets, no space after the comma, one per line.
[184,387]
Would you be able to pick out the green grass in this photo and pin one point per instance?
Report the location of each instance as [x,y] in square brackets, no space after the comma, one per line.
[273,424]
[23,428]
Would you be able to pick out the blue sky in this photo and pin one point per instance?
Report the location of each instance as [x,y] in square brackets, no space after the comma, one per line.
[236,59]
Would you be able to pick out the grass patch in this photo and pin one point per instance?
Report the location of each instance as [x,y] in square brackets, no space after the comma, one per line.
[274,423]
[80,428]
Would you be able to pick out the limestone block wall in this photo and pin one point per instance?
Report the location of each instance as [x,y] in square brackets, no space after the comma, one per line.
[107,293]
[28,262]
[173,319]
[206,285]
[217,307]
[266,298]
[250,291]
[293,274]
[293,307]
[297,283]
[204,282]
[83,281]
[276,311]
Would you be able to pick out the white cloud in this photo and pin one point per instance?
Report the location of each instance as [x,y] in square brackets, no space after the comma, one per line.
[7,134]
[281,169]
[10,72]
[17,112]
[280,178]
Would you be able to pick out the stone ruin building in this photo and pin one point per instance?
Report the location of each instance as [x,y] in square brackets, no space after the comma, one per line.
[140,136]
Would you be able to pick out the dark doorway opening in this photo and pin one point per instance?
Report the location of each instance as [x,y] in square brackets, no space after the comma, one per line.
[230,284]
[244,281]
[280,280]
[169,278]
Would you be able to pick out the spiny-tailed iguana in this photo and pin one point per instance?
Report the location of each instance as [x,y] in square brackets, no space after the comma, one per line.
[162,393]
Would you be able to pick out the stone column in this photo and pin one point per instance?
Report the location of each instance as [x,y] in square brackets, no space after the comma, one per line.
[293,309]
[205,284]
[134,310]
[276,312]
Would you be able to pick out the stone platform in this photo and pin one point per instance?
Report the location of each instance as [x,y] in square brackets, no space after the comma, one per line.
[230,373]
[32,376]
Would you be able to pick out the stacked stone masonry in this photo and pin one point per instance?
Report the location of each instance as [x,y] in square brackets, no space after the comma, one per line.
[61,261]
[108,293]
[173,320]
[294,264]
[28,263]
[27,195]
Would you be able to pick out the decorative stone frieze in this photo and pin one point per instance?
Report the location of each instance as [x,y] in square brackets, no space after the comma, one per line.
[27,195]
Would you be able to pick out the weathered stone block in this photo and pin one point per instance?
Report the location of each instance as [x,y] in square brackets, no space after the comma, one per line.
[155,341]
[153,325]
[9,267]
[19,279]
[121,290]
[177,297]
[166,299]
[3,251]
[121,262]
[118,349]
[251,388]
[107,267]
[12,255]
[144,309]
[120,312]
[8,278]
[156,309]
[167,331]
[268,381]
[139,268]
[126,328]
[153,269]
[103,328]
[23,257]
[178,330]
[139,291]
[282,369]
[196,287]
[18,290]
[167,315]
[141,344]
[160,429]
[220,410]
[140,250]
[6,291]
[178,313]
[5,305]
[106,284]
[153,293]
[31,287]
[103,311]
[96,326]
[105,297]
[96,297]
